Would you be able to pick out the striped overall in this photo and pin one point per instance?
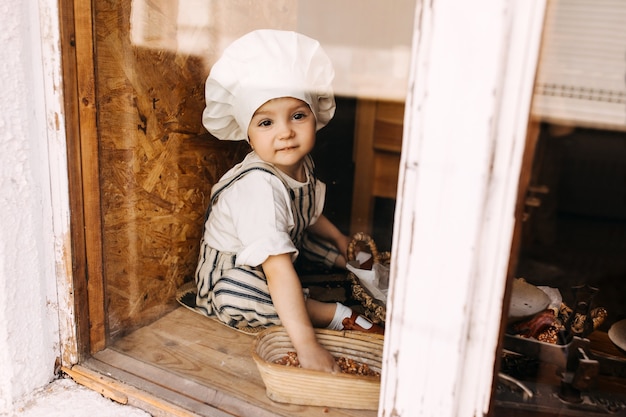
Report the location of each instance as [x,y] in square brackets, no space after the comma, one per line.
[239,295]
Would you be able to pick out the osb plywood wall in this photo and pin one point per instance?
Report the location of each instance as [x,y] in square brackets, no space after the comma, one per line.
[157,163]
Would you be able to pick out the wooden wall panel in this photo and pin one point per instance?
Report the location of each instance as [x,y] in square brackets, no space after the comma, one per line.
[157,164]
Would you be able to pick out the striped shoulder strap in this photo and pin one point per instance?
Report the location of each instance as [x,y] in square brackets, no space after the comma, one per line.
[227,182]
[258,166]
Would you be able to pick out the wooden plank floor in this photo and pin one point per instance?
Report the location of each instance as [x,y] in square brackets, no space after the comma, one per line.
[201,365]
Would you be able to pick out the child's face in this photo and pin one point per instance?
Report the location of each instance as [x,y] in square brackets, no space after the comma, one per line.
[282,132]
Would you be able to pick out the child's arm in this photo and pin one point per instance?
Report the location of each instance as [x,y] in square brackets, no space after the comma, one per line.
[287,296]
[325,229]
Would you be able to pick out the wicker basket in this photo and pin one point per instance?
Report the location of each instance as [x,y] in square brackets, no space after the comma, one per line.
[293,385]
[374,309]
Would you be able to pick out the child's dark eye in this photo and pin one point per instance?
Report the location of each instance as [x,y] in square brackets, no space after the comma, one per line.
[299,116]
[265,123]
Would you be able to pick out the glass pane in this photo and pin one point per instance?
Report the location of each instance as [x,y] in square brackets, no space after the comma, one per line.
[564,348]
[157,165]
[157,162]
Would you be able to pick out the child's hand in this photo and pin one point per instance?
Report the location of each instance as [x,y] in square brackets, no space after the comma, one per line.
[342,245]
[286,291]
[329,232]
[315,357]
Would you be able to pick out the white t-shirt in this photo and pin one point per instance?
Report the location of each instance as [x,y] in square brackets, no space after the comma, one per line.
[253,217]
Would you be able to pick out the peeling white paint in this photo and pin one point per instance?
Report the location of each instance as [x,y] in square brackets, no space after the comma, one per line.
[472,75]
[34,226]
[59,187]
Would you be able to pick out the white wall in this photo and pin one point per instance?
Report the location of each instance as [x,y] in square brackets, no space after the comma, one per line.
[29,330]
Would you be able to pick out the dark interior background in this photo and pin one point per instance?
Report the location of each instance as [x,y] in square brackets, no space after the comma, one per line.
[335,166]
[578,234]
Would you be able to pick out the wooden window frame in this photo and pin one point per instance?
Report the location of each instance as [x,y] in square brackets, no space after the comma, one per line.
[77,49]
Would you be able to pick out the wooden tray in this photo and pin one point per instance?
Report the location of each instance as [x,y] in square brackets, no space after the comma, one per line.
[293,385]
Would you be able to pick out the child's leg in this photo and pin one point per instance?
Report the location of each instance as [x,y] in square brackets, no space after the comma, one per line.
[237,295]
[337,316]
[321,314]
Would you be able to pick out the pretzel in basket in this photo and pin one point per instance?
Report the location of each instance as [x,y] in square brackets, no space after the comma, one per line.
[374,309]
[362,242]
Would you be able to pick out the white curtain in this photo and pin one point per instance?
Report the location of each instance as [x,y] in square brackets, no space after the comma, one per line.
[581,78]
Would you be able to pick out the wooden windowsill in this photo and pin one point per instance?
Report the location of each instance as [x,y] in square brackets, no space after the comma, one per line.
[187,365]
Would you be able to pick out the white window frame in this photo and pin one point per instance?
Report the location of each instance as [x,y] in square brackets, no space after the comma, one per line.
[471,83]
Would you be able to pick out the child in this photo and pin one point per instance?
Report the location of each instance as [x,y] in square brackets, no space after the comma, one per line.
[273,89]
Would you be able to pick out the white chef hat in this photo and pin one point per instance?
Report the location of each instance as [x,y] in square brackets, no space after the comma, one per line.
[260,66]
